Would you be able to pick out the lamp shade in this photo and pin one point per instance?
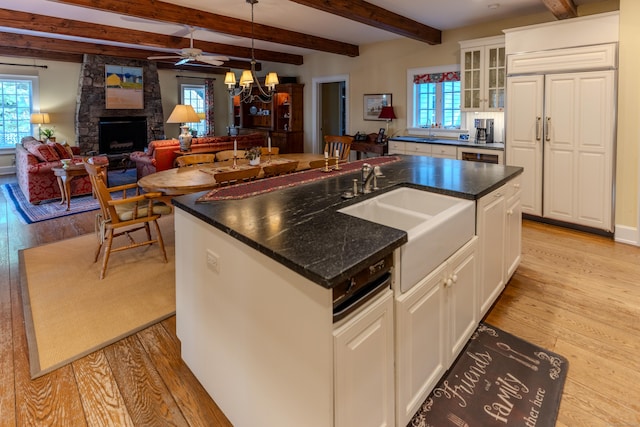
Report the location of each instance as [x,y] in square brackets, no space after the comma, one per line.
[230,79]
[387,113]
[183,114]
[246,78]
[40,118]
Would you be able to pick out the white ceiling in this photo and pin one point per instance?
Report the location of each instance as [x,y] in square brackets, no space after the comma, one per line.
[440,14]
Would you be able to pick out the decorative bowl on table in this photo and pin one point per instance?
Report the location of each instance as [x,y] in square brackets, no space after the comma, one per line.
[66,163]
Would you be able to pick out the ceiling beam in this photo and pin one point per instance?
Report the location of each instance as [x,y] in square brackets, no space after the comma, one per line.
[562,9]
[167,12]
[67,50]
[66,27]
[375,16]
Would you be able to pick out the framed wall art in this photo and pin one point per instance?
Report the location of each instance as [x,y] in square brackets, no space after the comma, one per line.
[124,87]
[373,104]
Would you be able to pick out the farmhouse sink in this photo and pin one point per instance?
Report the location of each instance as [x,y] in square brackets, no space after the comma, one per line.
[437,226]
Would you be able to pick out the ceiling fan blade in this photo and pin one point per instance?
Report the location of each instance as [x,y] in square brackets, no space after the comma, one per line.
[209,61]
[183,61]
[213,57]
[164,57]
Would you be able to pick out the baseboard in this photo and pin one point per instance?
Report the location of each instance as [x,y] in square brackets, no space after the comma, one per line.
[7,170]
[628,235]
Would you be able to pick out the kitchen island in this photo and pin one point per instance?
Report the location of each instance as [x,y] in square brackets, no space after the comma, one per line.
[254,282]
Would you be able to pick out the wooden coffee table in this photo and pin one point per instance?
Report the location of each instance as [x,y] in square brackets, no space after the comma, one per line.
[65,176]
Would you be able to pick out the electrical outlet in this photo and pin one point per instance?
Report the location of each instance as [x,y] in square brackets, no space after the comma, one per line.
[213,261]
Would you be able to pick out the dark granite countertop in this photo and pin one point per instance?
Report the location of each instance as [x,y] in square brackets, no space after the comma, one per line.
[458,143]
[301,228]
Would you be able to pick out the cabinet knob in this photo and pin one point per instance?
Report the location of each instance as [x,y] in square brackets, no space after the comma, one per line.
[517,185]
[510,212]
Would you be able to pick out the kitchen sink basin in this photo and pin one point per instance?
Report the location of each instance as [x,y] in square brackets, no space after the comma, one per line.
[437,226]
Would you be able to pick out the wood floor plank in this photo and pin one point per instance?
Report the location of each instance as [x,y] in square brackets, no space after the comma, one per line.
[145,395]
[197,406]
[50,400]
[101,399]
[7,378]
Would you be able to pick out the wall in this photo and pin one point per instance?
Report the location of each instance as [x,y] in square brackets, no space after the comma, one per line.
[627,165]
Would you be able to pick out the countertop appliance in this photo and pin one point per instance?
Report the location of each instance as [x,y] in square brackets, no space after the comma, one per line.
[484,131]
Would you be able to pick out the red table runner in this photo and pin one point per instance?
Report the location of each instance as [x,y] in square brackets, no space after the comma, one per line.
[253,188]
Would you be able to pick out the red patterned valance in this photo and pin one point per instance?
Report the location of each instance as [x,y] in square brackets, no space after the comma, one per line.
[447,76]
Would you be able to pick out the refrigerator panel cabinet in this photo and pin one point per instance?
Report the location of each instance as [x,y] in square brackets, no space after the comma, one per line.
[560,128]
[525,134]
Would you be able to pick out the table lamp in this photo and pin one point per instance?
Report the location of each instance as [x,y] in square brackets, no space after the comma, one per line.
[184,114]
[387,114]
[40,119]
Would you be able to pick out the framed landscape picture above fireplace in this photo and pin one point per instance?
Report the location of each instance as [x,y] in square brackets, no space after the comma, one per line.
[123,87]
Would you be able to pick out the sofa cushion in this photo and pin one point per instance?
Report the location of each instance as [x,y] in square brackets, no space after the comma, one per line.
[44,152]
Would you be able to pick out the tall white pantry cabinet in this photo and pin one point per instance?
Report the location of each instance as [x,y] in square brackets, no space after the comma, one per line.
[560,125]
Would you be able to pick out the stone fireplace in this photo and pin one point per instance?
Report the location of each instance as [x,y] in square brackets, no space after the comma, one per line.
[123,130]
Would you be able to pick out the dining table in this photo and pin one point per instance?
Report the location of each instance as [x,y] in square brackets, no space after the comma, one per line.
[192,179]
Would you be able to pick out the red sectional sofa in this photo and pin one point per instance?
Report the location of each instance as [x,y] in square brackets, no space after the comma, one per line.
[34,163]
[160,155]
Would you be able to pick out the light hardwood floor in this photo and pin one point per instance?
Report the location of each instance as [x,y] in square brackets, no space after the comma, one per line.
[574,293]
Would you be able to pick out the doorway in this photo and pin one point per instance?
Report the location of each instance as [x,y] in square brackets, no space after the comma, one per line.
[331,106]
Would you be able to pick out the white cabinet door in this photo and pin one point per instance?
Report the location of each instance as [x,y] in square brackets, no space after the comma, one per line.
[418,149]
[444,151]
[578,154]
[483,77]
[396,147]
[491,230]
[364,366]
[434,321]
[461,285]
[524,136]
[513,238]
[421,329]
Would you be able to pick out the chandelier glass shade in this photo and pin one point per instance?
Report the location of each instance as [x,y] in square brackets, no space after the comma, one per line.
[248,79]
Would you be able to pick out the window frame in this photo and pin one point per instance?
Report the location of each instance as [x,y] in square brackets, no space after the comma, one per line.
[202,125]
[35,103]
[412,114]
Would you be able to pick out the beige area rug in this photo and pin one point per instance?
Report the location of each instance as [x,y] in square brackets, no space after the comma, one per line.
[70,313]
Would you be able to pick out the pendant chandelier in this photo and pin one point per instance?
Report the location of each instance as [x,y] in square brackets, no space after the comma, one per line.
[248,78]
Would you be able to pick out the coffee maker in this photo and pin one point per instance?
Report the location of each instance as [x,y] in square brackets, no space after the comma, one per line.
[484,131]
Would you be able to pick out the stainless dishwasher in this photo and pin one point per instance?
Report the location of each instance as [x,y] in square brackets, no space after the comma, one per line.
[354,292]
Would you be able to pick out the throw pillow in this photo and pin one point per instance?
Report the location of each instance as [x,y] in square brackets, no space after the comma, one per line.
[44,153]
[62,153]
[68,149]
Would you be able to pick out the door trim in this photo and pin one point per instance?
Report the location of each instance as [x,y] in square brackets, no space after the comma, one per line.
[316,100]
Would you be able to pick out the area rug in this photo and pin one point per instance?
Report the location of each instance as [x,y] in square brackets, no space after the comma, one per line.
[499,380]
[50,209]
[70,313]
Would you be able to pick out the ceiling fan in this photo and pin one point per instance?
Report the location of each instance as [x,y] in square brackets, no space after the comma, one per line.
[190,53]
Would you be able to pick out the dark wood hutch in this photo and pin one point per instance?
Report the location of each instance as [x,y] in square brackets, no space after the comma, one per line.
[281,119]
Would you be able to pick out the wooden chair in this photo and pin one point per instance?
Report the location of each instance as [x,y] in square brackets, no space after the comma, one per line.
[225,155]
[340,143]
[315,164]
[265,151]
[280,169]
[236,176]
[195,159]
[124,216]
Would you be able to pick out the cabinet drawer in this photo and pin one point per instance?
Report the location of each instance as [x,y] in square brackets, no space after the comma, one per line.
[513,187]
[444,151]
[396,147]
[419,149]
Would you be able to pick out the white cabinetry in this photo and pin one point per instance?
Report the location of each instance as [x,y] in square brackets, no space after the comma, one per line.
[422,149]
[499,225]
[364,366]
[560,128]
[434,320]
[483,76]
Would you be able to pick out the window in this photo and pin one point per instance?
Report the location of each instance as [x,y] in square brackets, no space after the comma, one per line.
[434,97]
[194,95]
[17,96]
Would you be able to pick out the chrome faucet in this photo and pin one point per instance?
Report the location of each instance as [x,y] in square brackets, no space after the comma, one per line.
[369,174]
